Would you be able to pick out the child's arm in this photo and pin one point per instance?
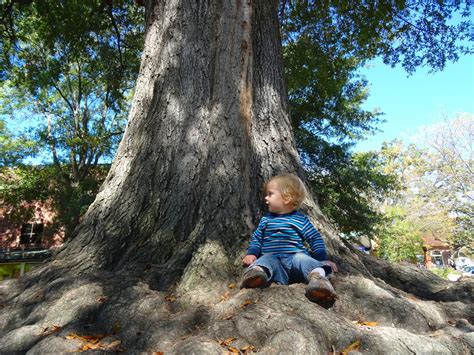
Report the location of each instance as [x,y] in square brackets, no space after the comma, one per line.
[315,241]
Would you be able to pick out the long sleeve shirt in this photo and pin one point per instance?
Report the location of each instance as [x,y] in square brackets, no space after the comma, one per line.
[286,233]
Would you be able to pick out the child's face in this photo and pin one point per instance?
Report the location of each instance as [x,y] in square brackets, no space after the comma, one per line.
[275,201]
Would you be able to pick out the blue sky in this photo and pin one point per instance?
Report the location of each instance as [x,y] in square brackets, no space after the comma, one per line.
[410,102]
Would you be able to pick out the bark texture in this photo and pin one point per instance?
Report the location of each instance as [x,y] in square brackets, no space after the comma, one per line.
[155,261]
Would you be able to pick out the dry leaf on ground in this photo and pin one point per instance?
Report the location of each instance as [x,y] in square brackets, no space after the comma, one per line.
[227,342]
[247,302]
[248,349]
[170,298]
[102,299]
[225,296]
[86,338]
[51,330]
[368,324]
[353,347]
[233,350]
[94,343]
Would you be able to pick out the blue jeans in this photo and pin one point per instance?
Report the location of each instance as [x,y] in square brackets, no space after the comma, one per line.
[287,268]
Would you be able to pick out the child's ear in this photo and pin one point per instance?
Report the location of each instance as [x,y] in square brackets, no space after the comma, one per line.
[287,200]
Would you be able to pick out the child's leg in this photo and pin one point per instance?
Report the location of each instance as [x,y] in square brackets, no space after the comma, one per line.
[300,265]
[303,268]
[272,266]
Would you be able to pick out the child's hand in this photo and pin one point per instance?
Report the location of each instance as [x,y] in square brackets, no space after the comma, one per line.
[330,264]
[249,259]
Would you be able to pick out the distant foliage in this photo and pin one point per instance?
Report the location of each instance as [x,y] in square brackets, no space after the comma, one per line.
[399,238]
[437,180]
[325,44]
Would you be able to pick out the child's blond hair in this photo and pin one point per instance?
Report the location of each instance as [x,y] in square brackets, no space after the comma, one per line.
[291,187]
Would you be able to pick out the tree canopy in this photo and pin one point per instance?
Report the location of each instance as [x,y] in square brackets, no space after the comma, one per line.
[68,71]
[72,65]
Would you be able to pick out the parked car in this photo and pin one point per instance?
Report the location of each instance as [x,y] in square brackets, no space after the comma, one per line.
[462,262]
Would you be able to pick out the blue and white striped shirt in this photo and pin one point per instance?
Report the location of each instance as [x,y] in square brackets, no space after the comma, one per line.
[286,234]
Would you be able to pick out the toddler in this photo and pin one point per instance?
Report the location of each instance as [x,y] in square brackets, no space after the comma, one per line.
[277,252]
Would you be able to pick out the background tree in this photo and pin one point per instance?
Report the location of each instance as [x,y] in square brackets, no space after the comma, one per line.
[13,148]
[451,173]
[325,44]
[400,239]
[437,185]
[349,189]
[71,66]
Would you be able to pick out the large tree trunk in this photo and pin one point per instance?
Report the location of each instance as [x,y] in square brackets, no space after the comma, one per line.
[209,124]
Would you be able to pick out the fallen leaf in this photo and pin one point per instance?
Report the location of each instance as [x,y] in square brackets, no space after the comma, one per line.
[101,299]
[368,324]
[354,346]
[170,298]
[225,296]
[86,338]
[75,336]
[115,345]
[51,330]
[94,338]
[226,342]
[91,342]
[90,346]
[158,353]
[413,298]
[230,316]
[232,285]
[247,302]
[248,349]
[233,350]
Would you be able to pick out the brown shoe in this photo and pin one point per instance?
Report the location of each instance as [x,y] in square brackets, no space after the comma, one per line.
[320,290]
[255,277]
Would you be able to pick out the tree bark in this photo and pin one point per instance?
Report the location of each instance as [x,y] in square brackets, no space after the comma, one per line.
[209,123]
[154,262]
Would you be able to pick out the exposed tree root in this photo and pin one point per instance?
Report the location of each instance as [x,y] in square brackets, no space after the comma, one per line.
[112,312]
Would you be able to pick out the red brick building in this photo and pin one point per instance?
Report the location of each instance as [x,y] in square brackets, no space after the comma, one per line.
[37,230]
[437,251]
[27,243]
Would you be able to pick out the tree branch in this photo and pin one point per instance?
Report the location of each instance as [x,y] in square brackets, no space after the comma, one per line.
[114,24]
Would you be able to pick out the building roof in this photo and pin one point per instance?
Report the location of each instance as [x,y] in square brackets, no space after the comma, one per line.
[431,241]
